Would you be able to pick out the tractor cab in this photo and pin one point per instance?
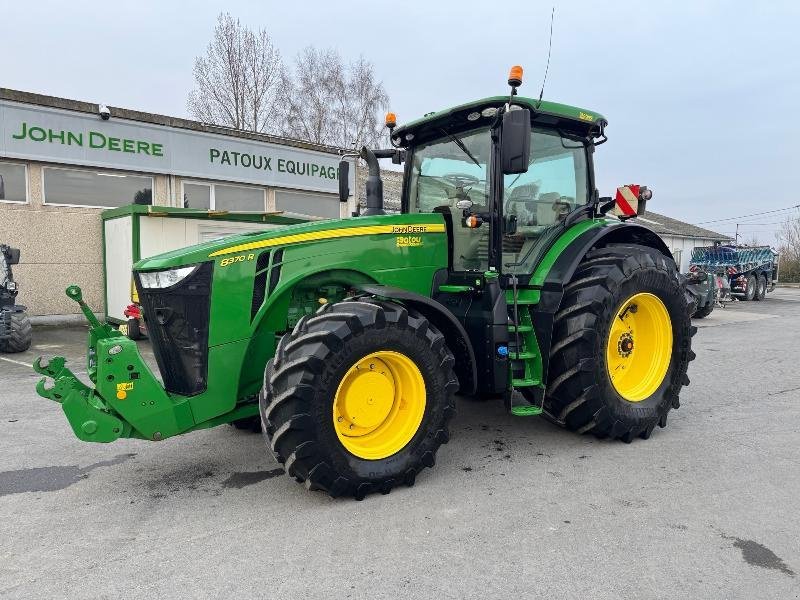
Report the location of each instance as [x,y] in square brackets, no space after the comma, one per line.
[499,213]
[508,173]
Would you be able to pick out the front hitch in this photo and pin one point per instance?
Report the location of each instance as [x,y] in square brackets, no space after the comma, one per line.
[126,400]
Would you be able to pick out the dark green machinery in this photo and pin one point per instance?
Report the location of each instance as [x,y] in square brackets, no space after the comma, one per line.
[502,277]
[15,327]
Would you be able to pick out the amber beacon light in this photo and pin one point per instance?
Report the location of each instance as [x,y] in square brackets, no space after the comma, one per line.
[515,76]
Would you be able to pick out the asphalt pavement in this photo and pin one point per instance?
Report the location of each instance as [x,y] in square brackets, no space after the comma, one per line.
[708,507]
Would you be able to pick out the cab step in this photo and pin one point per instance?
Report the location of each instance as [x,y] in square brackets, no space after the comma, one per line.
[521,407]
[518,383]
[520,328]
[528,410]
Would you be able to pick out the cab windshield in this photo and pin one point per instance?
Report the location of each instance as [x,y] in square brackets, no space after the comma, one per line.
[453,171]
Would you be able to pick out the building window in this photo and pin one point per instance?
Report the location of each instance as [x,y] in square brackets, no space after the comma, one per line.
[197,195]
[307,203]
[215,196]
[236,198]
[13,183]
[72,187]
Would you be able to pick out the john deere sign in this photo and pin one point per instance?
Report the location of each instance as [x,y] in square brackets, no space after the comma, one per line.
[53,135]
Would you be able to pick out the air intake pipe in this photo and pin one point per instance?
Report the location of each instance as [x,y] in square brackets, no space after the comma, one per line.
[374,184]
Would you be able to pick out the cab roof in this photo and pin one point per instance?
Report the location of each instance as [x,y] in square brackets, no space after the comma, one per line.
[543,111]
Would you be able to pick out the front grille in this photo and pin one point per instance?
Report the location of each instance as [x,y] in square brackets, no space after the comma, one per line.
[177,322]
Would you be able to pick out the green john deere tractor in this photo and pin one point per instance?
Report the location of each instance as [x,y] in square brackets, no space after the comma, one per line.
[502,277]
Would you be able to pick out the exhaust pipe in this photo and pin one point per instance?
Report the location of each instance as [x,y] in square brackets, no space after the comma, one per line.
[374,184]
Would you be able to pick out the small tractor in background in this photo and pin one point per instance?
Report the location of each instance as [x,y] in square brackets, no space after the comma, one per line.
[710,290]
[15,327]
[503,277]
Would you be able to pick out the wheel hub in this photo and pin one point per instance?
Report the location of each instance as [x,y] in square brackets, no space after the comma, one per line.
[639,348]
[625,344]
[379,405]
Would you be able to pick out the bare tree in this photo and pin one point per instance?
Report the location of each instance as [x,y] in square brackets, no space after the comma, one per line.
[238,78]
[789,236]
[328,102]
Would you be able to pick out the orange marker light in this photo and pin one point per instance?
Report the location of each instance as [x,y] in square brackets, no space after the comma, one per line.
[515,76]
[391,120]
[473,221]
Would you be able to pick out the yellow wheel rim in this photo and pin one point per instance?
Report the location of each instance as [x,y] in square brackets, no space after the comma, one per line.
[639,348]
[379,405]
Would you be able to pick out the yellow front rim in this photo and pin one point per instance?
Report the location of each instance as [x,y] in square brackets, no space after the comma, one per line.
[379,405]
[639,348]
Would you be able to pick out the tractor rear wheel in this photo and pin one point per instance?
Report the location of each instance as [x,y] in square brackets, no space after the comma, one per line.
[357,398]
[20,334]
[621,344]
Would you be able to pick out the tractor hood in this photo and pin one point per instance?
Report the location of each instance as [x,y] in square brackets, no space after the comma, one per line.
[202,252]
[315,231]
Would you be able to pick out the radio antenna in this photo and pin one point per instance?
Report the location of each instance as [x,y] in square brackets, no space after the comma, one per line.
[549,50]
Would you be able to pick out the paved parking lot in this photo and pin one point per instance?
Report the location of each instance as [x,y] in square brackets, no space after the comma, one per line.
[707,508]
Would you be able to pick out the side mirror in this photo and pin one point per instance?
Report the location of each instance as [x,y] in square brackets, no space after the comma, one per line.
[344,181]
[516,141]
[13,256]
[509,224]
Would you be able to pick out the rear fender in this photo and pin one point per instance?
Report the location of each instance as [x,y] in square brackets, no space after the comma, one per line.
[567,263]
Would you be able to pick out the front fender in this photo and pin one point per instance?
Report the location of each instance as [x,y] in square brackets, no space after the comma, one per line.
[441,318]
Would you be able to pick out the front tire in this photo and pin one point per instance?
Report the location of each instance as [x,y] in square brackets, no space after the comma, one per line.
[702,313]
[20,333]
[621,344]
[358,397]
[134,330]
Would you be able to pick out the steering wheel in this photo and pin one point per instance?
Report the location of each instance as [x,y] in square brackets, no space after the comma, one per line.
[459,180]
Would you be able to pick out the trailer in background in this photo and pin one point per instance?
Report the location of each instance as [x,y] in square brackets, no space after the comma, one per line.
[752,271]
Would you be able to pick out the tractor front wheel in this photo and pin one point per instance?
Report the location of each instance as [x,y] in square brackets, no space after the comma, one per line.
[358,397]
[702,313]
[19,333]
[621,344]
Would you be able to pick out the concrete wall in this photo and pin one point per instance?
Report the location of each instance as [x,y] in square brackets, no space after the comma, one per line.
[59,246]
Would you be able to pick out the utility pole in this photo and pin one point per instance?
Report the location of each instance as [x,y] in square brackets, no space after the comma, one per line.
[737,234]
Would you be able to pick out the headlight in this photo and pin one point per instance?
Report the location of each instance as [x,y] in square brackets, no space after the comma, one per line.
[11,286]
[165,279]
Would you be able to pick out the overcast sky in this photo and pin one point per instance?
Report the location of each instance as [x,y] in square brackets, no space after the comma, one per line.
[703,98]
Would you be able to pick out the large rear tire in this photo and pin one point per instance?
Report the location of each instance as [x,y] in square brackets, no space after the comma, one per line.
[621,344]
[358,397]
[20,334]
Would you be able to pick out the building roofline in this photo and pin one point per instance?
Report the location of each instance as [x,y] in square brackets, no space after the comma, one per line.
[678,228]
[157,119]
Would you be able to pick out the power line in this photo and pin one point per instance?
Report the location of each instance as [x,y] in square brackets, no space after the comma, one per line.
[759,223]
[766,212]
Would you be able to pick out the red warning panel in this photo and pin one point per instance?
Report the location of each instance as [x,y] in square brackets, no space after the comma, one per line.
[627,200]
